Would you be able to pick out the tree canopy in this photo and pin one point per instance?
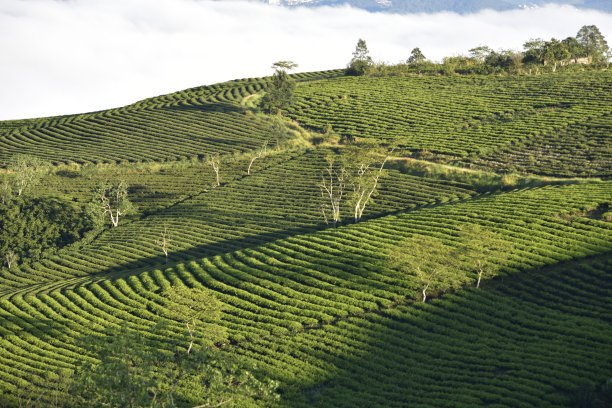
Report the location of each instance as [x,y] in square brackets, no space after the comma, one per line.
[279,94]
[593,42]
[429,263]
[416,56]
[361,60]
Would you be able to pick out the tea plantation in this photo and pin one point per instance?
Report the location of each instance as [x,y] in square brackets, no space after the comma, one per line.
[307,311]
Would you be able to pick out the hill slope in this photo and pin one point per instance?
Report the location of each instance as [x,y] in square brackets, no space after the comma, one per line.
[317,307]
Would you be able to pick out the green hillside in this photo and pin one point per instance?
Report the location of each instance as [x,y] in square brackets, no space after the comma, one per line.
[311,312]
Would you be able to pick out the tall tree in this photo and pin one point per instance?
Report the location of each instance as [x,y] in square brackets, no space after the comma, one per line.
[361,61]
[534,51]
[10,258]
[214,160]
[554,52]
[279,93]
[333,186]
[111,198]
[416,57]
[367,168]
[164,242]
[575,49]
[593,42]
[257,154]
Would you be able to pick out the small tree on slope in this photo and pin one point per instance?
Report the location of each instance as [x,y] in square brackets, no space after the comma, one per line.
[429,262]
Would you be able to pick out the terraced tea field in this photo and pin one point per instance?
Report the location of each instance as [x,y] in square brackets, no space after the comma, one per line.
[473,116]
[317,308]
[186,124]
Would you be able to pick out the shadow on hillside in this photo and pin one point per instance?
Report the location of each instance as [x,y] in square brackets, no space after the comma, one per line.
[517,343]
[202,251]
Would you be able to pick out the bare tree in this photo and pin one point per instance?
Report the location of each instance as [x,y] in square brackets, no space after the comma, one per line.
[258,154]
[332,185]
[27,171]
[112,200]
[365,177]
[164,242]
[11,258]
[214,160]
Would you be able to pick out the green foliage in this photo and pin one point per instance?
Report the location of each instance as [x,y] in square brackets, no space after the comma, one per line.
[593,42]
[465,119]
[31,227]
[361,61]
[110,202]
[480,53]
[256,278]
[175,127]
[279,94]
[429,262]
[284,65]
[27,170]
[554,52]
[416,57]
[137,370]
[478,250]
[197,310]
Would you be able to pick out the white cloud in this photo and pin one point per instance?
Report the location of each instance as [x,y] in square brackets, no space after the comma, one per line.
[60,57]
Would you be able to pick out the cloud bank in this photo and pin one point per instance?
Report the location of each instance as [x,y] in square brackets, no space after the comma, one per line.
[60,57]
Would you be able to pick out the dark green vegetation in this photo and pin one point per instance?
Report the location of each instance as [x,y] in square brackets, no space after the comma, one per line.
[259,302]
[29,227]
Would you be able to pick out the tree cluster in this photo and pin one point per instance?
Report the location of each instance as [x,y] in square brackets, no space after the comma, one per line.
[588,47]
[31,227]
[351,180]
[24,173]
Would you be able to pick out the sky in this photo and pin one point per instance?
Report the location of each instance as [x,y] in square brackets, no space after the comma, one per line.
[73,56]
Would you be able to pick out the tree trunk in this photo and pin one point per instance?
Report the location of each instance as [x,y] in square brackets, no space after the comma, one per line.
[190,337]
[424,294]
[250,164]
[480,272]
[114,219]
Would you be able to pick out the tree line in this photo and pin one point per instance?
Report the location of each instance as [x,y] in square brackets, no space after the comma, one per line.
[588,47]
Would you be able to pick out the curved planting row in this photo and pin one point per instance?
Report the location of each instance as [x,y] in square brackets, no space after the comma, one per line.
[188,123]
[539,340]
[297,287]
[276,201]
[584,148]
[458,116]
